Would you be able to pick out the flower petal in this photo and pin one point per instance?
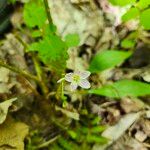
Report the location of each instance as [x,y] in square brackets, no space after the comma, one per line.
[83,74]
[84,84]
[68,77]
[73,86]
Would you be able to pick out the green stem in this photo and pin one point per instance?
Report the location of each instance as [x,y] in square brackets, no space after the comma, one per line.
[47,9]
[40,75]
[45,144]
[38,69]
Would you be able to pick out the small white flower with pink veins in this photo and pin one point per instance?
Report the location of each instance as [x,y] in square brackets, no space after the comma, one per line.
[78,78]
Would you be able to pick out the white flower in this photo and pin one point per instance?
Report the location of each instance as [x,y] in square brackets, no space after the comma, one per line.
[78,78]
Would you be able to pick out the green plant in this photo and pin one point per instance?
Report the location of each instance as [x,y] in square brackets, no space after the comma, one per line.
[49,52]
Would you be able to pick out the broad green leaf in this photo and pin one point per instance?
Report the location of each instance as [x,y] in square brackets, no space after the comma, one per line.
[132,13]
[145,19]
[142,4]
[123,88]
[127,43]
[4,106]
[72,40]
[108,59]
[34,14]
[122,2]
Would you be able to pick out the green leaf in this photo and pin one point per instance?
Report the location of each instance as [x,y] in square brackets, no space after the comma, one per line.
[12,1]
[123,88]
[72,40]
[132,13]
[34,14]
[127,43]
[96,139]
[52,51]
[142,4]
[122,2]
[36,33]
[145,19]
[4,106]
[97,129]
[107,59]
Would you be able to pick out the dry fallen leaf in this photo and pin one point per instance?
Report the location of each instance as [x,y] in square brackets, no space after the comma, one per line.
[4,106]
[116,131]
[12,135]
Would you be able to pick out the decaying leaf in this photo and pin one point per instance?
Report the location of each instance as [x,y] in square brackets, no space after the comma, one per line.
[4,74]
[116,131]
[4,106]
[73,115]
[12,135]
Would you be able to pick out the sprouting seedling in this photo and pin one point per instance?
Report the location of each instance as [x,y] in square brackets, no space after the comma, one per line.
[77,78]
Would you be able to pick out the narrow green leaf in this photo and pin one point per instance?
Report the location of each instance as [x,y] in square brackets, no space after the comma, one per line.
[107,59]
[145,19]
[123,88]
[97,129]
[96,139]
[72,40]
[132,13]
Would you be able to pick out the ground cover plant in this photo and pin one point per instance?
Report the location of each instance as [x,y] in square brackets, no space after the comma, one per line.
[74,74]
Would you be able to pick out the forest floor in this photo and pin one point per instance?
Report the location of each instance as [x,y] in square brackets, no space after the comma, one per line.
[30,121]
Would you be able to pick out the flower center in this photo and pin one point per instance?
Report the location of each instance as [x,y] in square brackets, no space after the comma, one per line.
[76,78]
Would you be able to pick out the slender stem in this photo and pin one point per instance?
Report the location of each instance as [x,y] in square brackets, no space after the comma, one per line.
[17,70]
[38,68]
[47,9]
[40,75]
[47,142]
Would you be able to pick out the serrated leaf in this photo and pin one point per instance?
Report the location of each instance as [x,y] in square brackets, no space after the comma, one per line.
[142,4]
[4,106]
[72,40]
[52,51]
[144,19]
[132,13]
[123,88]
[127,43]
[34,14]
[122,2]
[107,59]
